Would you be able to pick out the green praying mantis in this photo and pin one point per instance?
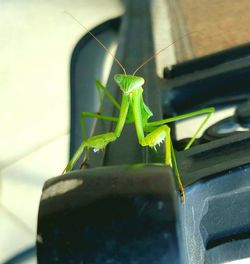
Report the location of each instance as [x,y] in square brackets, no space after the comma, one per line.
[132,109]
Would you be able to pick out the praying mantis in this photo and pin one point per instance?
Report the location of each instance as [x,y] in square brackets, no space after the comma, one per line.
[132,109]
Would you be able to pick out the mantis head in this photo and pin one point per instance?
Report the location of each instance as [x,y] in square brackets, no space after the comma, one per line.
[128,83]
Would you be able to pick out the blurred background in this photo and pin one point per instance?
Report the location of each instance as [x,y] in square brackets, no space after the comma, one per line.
[37,41]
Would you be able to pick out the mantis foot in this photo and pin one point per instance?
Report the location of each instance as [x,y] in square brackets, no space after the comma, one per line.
[182,194]
[84,165]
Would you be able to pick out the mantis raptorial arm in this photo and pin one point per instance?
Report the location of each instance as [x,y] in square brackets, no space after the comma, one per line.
[153,125]
[99,87]
[92,115]
[101,141]
[156,137]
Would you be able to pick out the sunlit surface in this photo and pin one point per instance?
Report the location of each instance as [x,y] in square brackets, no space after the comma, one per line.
[240,261]
[219,24]
[188,127]
[37,41]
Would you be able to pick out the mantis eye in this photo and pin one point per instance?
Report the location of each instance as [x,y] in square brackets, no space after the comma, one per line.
[119,78]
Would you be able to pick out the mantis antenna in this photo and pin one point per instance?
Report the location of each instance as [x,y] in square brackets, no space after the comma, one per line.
[100,43]
[161,50]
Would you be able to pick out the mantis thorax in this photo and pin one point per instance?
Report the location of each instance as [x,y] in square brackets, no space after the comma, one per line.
[128,83]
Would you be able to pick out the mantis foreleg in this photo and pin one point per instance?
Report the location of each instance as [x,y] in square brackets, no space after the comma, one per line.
[92,115]
[151,127]
[156,137]
[101,141]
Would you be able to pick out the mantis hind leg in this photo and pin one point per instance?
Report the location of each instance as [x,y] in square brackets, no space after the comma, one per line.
[209,113]
[177,174]
[154,138]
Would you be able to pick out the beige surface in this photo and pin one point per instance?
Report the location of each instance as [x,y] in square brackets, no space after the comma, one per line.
[222,24]
[36,43]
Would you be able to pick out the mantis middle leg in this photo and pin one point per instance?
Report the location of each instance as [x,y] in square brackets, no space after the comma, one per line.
[209,111]
[100,87]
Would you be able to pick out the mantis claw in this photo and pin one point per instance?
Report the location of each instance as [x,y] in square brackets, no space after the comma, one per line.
[101,141]
[182,194]
[95,142]
[84,165]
